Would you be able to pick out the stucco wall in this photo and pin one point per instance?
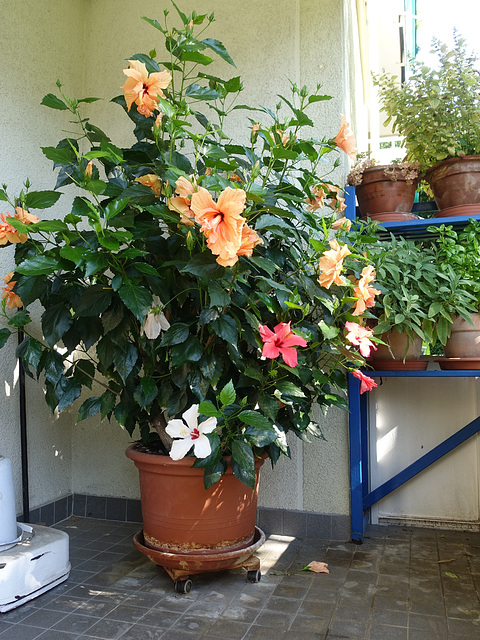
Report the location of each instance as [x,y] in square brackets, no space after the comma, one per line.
[40,43]
[86,45]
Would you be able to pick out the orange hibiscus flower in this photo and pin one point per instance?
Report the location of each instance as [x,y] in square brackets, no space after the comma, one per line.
[364,292]
[345,140]
[331,265]
[13,301]
[221,222]
[151,180]
[143,88]
[181,203]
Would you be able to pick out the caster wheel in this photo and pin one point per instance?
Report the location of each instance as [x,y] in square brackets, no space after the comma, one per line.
[183,586]
[254,576]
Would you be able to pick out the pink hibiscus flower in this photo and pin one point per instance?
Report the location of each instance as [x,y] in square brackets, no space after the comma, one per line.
[281,341]
[366,383]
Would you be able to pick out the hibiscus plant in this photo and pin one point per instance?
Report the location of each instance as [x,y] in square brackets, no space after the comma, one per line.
[194,289]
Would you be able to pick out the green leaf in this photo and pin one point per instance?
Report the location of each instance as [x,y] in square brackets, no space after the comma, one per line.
[115,207]
[94,262]
[146,392]
[267,221]
[226,327]
[260,431]
[228,394]
[49,226]
[53,102]
[136,298]
[4,336]
[94,301]
[41,199]
[125,360]
[19,319]
[37,266]
[204,266]
[196,92]
[189,351]
[3,195]
[89,408]
[176,334]
[243,463]
[74,254]
[207,408]
[107,403]
[59,156]
[197,57]
[30,350]
[71,390]
[218,47]
[290,390]
[56,320]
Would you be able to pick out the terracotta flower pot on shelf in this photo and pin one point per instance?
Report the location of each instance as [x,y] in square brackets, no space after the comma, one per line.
[383,199]
[401,353]
[464,340]
[455,183]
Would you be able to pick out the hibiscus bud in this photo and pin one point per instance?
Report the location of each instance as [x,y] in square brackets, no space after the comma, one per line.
[190,241]
[88,170]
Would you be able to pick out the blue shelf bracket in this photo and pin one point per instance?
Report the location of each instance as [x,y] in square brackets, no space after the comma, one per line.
[361,498]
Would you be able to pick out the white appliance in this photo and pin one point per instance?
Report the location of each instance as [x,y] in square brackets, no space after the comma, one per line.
[33,558]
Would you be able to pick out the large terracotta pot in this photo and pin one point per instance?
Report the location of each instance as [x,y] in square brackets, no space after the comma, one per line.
[455,182]
[380,196]
[180,516]
[464,340]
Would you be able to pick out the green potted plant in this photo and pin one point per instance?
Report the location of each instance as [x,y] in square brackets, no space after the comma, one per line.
[458,258]
[385,193]
[437,111]
[192,292]
[417,301]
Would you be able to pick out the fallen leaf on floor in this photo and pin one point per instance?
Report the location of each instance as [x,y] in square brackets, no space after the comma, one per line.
[445,561]
[317,567]
[281,573]
[451,575]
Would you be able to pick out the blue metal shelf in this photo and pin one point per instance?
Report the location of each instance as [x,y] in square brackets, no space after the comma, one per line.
[361,497]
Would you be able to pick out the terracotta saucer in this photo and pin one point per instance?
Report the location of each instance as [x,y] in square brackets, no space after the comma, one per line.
[390,216]
[400,365]
[460,210]
[458,363]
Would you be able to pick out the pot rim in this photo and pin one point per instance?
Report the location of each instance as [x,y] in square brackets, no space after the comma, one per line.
[452,160]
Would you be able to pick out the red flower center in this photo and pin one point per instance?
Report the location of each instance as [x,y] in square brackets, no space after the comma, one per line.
[195,433]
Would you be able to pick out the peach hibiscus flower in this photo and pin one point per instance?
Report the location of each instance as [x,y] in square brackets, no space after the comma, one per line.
[221,222]
[342,223]
[282,341]
[331,265]
[317,201]
[250,239]
[360,337]
[143,88]
[181,203]
[25,216]
[8,234]
[366,383]
[364,292]
[13,300]
[345,140]
[151,180]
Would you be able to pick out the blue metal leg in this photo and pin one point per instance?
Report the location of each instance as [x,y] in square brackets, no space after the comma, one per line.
[357,460]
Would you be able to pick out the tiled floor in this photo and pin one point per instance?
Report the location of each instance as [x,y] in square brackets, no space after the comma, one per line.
[401,584]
